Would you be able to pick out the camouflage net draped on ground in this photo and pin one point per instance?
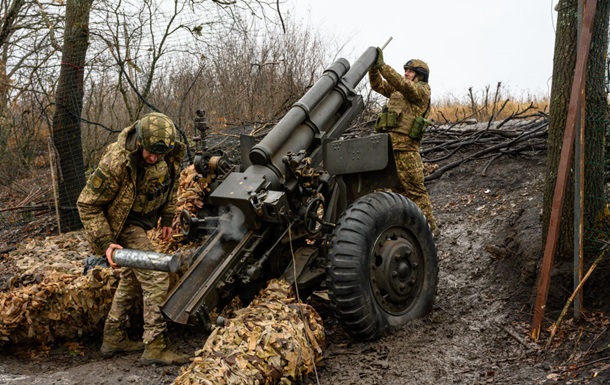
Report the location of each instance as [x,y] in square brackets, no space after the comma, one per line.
[273,340]
[47,298]
[61,306]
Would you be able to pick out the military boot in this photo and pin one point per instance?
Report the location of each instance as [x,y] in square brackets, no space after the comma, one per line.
[157,352]
[116,341]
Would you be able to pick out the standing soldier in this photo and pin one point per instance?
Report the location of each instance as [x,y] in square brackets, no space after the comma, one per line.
[404,119]
[132,189]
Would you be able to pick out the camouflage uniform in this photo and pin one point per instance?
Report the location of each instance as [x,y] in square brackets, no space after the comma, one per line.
[154,286]
[124,198]
[408,99]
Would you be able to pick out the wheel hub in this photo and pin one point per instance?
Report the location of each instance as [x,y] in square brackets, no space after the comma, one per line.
[395,272]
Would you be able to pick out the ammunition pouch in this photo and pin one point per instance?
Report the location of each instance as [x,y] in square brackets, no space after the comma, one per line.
[419,126]
[387,120]
[412,126]
[155,192]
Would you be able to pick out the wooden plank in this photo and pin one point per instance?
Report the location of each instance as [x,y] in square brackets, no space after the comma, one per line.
[563,171]
[579,202]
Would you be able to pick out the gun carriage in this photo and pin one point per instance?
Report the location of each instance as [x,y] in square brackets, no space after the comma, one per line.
[307,206]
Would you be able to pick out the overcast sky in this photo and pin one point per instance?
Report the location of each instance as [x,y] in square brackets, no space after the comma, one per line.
[466,43]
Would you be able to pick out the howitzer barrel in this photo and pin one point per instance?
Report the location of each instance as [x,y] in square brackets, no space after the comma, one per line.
[360,67]
[147,260]
[316,111]
[263,152]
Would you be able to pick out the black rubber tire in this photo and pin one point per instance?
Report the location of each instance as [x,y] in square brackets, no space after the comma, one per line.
[382,265]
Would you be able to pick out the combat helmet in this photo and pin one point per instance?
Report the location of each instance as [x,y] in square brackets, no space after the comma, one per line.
[420,67]
[156,133]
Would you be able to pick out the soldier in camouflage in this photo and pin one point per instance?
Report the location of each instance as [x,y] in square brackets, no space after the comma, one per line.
[403,119]
[133,188]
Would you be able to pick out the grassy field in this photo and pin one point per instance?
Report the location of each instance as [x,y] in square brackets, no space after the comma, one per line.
[485,105]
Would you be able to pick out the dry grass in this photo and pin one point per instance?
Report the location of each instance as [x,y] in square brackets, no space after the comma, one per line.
[485,105]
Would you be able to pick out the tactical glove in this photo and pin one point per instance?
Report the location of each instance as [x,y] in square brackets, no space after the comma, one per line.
[379,61]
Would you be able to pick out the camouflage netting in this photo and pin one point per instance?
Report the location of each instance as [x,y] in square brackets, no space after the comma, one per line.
[60,254]
[273,340]
[191,191]
[59,307]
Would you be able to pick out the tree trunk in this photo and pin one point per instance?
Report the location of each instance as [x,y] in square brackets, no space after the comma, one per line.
[563,75]
[595,120]
[596,127]
[66,120]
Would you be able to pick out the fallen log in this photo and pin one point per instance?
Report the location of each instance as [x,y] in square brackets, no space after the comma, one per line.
[538,132]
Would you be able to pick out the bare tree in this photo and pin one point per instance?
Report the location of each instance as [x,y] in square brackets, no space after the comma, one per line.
[7,30]
[27,47]
[256,76]
[66,121]
[141,41]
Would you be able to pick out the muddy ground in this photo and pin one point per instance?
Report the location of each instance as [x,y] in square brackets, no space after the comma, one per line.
[477,333]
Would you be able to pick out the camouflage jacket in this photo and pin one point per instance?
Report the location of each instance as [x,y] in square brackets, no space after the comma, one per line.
[110,192]
[409,99]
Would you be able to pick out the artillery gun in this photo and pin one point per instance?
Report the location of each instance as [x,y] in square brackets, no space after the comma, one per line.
[308,206]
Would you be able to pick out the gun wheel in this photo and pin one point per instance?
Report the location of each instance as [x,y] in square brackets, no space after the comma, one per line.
[382,269]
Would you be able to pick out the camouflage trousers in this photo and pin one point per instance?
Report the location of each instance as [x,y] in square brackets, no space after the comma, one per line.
[153,286]
[411,174]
